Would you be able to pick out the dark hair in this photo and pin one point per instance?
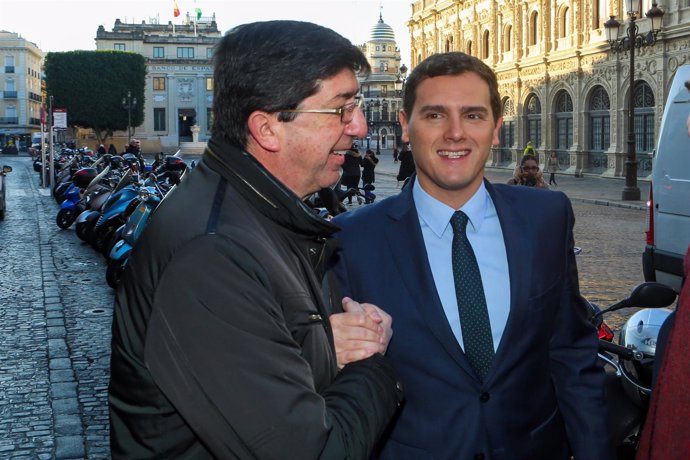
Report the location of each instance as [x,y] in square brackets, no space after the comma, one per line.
[273,66]
[445,64]
[528,157]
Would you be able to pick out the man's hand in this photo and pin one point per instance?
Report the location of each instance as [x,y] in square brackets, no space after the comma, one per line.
[362,330]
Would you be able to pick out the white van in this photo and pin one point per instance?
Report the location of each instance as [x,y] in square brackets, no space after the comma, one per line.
[668,231]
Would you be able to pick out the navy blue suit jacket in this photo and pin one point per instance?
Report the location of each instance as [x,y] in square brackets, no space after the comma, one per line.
[544,397]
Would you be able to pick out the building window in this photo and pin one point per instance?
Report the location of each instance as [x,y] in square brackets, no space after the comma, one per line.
[159,119]
[599,120]
[158,52]
[209,84]
[564,120]
[469,47]
[119,47]
[185,52]
[506,135]
[533,113]
[644,117]
[534,29]
[209,53]
[564,23]
[159,83]
[485,50]
[507,38]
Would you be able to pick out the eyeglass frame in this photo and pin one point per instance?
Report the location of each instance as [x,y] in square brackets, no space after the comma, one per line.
[529,168]
[348,108]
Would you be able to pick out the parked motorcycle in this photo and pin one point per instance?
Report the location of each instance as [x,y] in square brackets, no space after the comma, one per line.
[629,363]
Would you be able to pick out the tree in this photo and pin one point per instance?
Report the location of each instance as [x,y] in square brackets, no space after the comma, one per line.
[91,85]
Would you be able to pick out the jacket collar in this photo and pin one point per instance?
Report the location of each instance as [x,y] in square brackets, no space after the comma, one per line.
[269,196]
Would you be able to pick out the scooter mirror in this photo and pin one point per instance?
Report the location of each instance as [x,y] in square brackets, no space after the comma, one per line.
[652,295]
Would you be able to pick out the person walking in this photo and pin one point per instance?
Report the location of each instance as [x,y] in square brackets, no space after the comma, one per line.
[491,336]
[552,167]
[407,166]
[221,341]
[352,173]
[369,163]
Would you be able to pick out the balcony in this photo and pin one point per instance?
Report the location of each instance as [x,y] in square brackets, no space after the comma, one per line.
[35,121]
[9,69]
[9,95]
[35,97]
[9,120]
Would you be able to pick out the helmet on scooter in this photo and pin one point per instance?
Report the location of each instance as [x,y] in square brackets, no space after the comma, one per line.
[174,163]
[84,176]
[116,161]
[640,334]
[131,159]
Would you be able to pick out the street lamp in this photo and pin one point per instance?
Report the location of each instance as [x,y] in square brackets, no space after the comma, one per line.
[377,104]
[399,90]
[629,42]
[129,103]
[370,125]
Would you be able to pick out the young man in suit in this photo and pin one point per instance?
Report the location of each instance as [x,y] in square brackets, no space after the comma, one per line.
[492,342]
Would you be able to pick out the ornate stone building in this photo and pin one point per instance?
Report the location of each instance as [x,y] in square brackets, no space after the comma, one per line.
[20,89]
[562,86]
[179,79]
[382,88]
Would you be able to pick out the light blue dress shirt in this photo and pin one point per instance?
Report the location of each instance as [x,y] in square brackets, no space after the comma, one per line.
[486,237]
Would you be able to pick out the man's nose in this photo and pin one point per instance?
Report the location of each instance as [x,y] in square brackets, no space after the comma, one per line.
[358,126]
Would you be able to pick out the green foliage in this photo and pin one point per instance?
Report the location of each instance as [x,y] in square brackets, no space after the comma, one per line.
[91,85]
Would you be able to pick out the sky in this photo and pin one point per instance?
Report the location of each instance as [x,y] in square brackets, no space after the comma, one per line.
[65,25]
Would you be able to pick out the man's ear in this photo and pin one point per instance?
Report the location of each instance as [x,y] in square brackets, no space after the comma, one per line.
[265,130]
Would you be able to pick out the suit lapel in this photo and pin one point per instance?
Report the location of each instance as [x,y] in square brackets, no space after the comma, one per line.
[403,231]
[514,226]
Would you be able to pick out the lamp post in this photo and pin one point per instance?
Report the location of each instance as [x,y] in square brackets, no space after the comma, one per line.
[629,42]
[399,88]
[129,103]
[369,123]
[377,104]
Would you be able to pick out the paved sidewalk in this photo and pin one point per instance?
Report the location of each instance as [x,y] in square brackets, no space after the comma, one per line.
[589,189]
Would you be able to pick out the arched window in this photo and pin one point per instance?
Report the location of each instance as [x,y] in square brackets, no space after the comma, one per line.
[469,47]
[534,28]
[507,38]
[564,120]
[533,114]
[599,120]
[564,23]
[507,134]
[644,117]
[485,45]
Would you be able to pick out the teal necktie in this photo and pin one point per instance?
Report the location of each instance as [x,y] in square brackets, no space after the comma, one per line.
[474,316]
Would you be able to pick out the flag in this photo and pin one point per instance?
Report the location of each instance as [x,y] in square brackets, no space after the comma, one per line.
[176,10]
[198,11]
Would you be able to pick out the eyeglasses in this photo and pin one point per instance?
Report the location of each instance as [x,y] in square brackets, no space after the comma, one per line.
[530,168]
[346,112]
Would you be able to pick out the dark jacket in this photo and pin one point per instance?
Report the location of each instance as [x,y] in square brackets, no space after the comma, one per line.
[368,165]
[407,166]
[221,341]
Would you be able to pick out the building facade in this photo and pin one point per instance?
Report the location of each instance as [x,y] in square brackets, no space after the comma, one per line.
[20,90]
[382,88]
[179,80]
[562,85]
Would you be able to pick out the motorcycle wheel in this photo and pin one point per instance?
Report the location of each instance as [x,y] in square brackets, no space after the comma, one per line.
[65,218]
[112,238]
[113,273]
[84,230]
[98,238]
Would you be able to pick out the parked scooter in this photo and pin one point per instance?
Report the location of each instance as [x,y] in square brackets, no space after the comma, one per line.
[629,362]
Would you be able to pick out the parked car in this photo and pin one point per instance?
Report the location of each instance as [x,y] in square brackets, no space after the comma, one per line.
[668,230]
[5,169]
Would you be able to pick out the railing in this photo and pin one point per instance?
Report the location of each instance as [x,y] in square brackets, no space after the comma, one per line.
[563,159]
[9,69]
[9,120]
[9,94]
[35,121]
[597,162]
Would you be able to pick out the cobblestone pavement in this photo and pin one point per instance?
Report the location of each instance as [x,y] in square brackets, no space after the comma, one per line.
[56,309]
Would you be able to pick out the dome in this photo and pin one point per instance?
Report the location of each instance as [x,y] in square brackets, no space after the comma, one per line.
[381,31]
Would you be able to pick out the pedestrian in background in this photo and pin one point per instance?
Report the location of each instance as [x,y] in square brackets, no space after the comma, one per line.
[491,334]
[529,149]
[395,154]
[221,344]
[369,163]
[407,166]
[552,167]
[527,173]
[112,149]
[352,173]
